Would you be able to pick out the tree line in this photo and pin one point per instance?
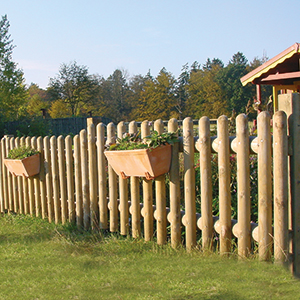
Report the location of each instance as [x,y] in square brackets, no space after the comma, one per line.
[210,89]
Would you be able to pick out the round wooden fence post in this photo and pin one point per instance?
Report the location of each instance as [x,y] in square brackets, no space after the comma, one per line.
[78,182]
[62,178]
[147,195]
[14,183]
[189,219]
[70,178]
[48,179]
[160,194]
[264,186]
[206,182]
[36,182]
[135,208]
[243,186]
[55,179]
[224,185]
[92,160]
[5,174]
[123,192]
[30,186]
[2,210]
[174,216]
[280,171]
[102,190]
[24,184]
[85,179]
[41,176]
[112,184]
[9,179]
[20,183]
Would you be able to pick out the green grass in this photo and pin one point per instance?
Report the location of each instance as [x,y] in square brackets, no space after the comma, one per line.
[39,260]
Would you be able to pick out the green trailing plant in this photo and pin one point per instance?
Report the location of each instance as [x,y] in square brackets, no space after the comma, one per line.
[152,141]
[21,152]
[233,186]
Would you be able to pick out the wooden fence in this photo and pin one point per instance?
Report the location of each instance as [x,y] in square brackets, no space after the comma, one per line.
[76,185]
[58,126]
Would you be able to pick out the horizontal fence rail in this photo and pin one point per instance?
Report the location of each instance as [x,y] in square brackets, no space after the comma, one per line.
[75,184]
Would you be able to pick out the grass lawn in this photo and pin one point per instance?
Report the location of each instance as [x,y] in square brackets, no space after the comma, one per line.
[39,260]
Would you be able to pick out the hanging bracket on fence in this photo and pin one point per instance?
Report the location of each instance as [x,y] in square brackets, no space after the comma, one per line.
[123,175]
[148,176]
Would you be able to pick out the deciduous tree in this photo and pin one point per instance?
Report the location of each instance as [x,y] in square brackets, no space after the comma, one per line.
[75,86]
[38,99]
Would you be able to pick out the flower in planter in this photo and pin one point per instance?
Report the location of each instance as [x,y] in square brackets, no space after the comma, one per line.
[152,141]
[21,152]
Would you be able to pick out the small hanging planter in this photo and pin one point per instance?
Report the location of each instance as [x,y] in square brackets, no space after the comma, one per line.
[149,157]
[149,163]
[19,165]
[26,167]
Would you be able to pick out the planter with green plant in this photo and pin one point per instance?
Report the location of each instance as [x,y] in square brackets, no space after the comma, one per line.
[149,157]
[23,161]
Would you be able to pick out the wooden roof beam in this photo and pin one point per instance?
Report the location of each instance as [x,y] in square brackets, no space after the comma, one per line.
[280,76]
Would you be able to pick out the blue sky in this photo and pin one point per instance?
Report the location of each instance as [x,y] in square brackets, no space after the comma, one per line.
[138,36]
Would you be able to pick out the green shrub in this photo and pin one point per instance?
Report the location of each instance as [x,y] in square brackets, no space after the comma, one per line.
[21,152]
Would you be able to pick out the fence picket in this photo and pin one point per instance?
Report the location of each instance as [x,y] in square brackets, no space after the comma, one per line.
[135,208]
[123,192]
[78,182]
[9,179]
[206,183]
[112,183]
[85,179]
[36,184]
[62,178]
[160,195]
[55,180]
[264,186]
[48,179]
[25,186]
[70,179]
[189,219]
[41,177]
[31,198]
[2,209]
[4,174]
[17,180]
[147,210]
[243,178]
[224,185]
[174,217]
[92,176]
[23,195]
[103,209]
[14,185]
[280,169]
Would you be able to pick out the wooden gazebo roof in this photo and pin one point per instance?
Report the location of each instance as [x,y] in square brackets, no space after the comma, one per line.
[283,69]
[282,72]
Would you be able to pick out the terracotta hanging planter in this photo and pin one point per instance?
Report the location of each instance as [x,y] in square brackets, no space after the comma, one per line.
[26,167]
[149,163]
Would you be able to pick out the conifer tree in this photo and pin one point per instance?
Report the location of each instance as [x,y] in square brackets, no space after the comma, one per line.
[12,88]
